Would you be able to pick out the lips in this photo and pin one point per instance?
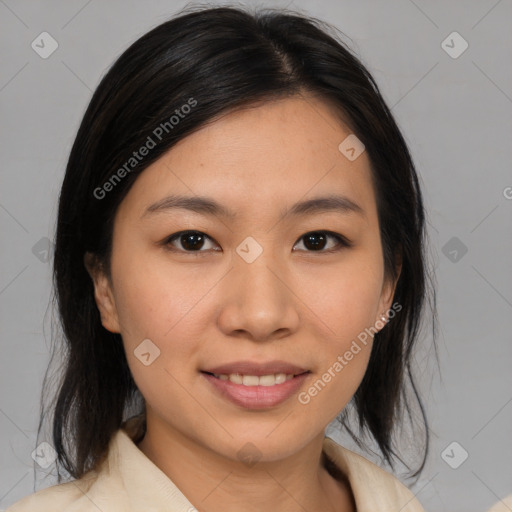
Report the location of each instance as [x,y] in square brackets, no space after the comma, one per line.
[257,369]
[256,397]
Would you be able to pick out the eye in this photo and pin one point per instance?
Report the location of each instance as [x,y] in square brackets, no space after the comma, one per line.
[191,241]
[316,241]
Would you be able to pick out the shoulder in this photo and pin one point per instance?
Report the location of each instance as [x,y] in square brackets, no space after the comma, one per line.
[57,498]
[373,487]
[109,487]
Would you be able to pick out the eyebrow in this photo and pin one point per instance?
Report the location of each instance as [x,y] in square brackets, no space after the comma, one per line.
[208,206]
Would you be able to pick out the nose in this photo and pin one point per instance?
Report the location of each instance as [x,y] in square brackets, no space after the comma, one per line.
[258,301]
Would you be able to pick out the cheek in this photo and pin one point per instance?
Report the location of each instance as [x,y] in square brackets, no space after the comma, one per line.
[157,301]
[156,305]
[152,296]
[344,302]
[344,298]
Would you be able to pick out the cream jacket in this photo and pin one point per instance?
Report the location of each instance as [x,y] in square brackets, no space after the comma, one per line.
[128,481]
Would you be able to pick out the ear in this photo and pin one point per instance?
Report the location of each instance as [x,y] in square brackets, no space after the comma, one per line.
[103,294]
[388,292]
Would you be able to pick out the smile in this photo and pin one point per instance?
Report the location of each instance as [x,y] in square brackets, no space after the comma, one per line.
[255,380]
[255,392]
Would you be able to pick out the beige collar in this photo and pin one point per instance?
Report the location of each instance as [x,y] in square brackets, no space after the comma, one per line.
[374,489]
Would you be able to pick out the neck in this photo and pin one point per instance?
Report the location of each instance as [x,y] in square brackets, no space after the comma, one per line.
[214,483]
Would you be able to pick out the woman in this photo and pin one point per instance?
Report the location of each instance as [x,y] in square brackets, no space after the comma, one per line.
[239,261]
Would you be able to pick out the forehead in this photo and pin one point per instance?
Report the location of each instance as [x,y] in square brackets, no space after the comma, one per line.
[252,159]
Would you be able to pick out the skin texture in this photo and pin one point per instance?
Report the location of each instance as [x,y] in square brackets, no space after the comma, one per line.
[293,303]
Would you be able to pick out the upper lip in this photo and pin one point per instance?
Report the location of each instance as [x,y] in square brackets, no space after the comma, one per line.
[258,369]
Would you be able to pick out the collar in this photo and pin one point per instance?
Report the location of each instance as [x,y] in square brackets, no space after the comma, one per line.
[374,489]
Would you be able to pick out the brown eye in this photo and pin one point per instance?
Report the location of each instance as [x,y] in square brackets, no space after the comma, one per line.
[316,241]
[190,241]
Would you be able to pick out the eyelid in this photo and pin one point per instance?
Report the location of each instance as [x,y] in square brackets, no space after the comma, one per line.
[342,241]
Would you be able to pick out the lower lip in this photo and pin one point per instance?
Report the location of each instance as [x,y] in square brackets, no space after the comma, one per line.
[256,397]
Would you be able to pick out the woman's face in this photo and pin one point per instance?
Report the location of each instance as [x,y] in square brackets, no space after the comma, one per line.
[253,288]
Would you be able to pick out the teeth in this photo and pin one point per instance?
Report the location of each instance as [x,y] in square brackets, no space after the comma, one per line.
[250,380]
[254,380]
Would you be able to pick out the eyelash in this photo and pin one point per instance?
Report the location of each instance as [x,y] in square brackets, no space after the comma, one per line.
[343,243]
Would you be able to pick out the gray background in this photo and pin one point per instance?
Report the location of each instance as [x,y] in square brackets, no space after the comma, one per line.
[455,114]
